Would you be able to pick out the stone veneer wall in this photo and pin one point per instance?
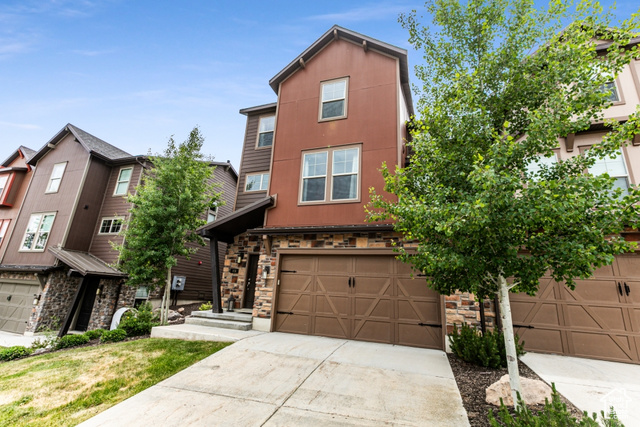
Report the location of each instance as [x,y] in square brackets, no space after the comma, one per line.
[55,302]
[459,308]
[105,304]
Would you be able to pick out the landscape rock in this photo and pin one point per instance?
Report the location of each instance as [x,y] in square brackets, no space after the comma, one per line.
[533,391]
[181,310]
[174,315]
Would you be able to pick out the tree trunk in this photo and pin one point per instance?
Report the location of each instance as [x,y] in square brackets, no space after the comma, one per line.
[509,339]
[166,297]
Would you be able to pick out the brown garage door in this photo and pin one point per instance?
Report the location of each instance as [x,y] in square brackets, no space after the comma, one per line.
[16,300]
[360,297]
[599,319]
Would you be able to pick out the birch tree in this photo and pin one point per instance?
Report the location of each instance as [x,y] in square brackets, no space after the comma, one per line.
[501,84]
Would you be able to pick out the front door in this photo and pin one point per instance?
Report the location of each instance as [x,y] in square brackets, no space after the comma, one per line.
[250,281]
[84,315]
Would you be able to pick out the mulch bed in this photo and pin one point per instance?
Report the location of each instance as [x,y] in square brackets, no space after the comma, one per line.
[473,381]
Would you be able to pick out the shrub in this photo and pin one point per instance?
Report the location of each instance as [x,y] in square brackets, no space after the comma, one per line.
[553,414]
[44,342]
[94,334]
[486,349]
[71,341]
[138,322]
[15,352]
[113,336]
[206,306]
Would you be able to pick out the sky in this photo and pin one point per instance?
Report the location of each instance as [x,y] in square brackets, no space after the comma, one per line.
[134,73]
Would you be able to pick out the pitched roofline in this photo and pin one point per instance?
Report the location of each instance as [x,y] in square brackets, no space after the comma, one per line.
[343,33]
[20,152]
[258,108]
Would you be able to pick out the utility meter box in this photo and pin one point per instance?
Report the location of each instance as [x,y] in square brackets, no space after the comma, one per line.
[178,283]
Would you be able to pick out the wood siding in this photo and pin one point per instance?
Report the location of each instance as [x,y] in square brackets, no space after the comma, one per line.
[372,121]
[63,202]
[112,206]
[198,285]
[228,182]
[88,208]
[19,189]
[253,160]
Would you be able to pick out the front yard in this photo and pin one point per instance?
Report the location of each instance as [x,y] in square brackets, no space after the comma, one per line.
[67,387]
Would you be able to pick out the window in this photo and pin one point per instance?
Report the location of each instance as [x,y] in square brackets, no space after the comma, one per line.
[615,168]
[258,182]
[122,185]
[265,131]
[111,225]
[333,99]
[3,184]
[612,89]
[4,225]
[37,234]
[212,214]
[535,166]
[341,165]
[56,177]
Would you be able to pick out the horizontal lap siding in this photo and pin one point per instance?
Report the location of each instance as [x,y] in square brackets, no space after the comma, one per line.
[253,160]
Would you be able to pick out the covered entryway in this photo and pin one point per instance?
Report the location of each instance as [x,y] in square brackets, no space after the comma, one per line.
[16,301]
[360,297]
[599,319]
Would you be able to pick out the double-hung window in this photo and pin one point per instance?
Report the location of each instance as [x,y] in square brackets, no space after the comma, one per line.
[38,230]
[257,182]
[612,89]
[331,175]
[333,99]
[111,225]
[536,165]
[122,185]
[265,131]
[3,184]
[212,214]
[4,225]
[616,168]
[56,177]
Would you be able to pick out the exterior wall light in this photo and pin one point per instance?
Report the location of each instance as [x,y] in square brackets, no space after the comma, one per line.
[265,272]
[230,303]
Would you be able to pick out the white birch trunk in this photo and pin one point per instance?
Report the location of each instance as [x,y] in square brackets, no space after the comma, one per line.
[166,297]
[509,339]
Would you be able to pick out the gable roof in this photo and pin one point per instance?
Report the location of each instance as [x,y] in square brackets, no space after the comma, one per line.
[27,153]
[94,145]
[337,32]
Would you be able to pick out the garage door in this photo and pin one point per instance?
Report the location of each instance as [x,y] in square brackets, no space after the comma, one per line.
[16,300]
[363,297]
[599,319]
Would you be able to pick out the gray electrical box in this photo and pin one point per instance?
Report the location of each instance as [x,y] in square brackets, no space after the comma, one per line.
[178,283]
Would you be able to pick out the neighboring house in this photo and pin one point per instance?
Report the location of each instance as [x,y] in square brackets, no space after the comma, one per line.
[302,258]
[61,249]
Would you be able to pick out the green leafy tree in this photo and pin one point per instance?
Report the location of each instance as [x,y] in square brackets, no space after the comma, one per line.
[167,207]
[501,83]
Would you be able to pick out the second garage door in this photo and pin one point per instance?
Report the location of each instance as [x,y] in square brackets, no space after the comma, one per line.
[15,304]
[361,297]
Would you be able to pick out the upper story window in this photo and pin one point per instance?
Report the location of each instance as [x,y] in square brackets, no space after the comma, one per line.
[257,182]
[616,168]
[37,233]
[536,165]
[56,177]
[331,175]
[212,214]
[265,131]
[612,89]
[4,225]
[333,99]
[111,225]
[3,184]
[122,185]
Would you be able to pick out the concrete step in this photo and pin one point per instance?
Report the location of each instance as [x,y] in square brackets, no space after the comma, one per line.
[200,333]
[234,315]
[218,323]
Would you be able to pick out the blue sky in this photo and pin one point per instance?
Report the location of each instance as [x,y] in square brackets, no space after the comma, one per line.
[136,72]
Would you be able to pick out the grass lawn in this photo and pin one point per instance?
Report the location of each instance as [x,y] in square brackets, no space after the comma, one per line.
[68,387]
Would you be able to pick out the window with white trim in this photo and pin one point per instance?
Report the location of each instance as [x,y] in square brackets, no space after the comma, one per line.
[122,184]
[212,214]
[37,233]
[612,89]
[331,175]
[4,225]
[536,165]
[257,182]
[265,131]
[3,183]
[56,177]
[616,168]
[111,225]
[333,99]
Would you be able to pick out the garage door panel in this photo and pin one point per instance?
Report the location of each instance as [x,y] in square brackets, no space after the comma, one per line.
[373,307]
[542,340]
[629,266]
[604,271]
[297,263]
[419,311]
[415,288]
[634,292]
[297,302]
[374,265]
[606,346]
[601,291]
[596,317]
[372,330]
[333,264]
[414,335]
[332,304]
[291,282]
[293,323]
[332,284]
[330,326]
[537,313]
[372,286]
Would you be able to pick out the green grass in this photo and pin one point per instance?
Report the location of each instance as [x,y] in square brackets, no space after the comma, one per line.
[68,387]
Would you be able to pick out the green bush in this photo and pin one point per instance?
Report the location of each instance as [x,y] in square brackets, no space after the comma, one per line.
[70,341]
[486,349]
[44,342]
[553,414]
[206,306]
[94,334]
[15,352]
[113,336]
[138,322]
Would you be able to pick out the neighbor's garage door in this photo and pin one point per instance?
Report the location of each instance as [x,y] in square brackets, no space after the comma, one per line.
[16,300]
[363,297]
[599,319]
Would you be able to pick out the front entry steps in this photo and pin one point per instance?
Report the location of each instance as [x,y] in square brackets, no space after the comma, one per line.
[228,320]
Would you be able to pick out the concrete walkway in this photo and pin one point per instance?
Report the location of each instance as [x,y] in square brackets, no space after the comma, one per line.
[295,380]
[7,339]
[592,385]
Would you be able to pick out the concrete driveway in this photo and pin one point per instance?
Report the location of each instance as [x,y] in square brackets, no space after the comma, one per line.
[592,385]
[295,380]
